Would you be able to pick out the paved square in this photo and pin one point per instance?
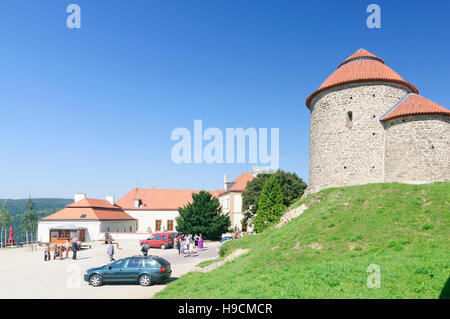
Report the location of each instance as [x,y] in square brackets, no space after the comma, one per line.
[25,274]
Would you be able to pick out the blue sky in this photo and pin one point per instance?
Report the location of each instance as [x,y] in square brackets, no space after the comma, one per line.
[92,109]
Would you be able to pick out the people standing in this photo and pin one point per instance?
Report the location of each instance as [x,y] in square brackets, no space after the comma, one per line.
[178,245]
[47,253]
[67,247]
[196,240]
[75,248]
[191,248]
[111,251]
[200,242]
[144,249]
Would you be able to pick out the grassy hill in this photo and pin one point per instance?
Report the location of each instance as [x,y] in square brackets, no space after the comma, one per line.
[43,207]
[325,253]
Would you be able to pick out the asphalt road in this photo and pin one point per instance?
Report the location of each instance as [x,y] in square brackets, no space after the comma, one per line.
[25,274]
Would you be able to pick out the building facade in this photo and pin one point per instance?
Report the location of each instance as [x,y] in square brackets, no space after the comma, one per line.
[88,217]
[368,125]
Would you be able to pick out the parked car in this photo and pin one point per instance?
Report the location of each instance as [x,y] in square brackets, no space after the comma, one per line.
[159,240]
[225,238]
[137,269]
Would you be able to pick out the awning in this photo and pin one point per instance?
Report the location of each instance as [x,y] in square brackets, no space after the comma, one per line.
[68,227]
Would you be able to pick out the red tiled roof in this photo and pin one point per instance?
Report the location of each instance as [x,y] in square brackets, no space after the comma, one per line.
[241,181]
[413,104]
[156,199]
[90,209]
[92,202]
[362,66]
[360,54]
[172,199]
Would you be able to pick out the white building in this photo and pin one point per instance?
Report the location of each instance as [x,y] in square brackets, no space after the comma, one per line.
[87,219]
[141,211]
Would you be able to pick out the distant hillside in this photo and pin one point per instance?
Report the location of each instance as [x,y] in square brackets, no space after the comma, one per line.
[325,253]
[43,207]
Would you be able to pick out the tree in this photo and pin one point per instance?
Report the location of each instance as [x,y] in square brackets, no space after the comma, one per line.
[292,187]
[29,219]
[270,205]
[5,221]
[203,216]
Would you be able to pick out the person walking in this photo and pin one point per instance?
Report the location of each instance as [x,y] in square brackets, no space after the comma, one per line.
[144,249]
[110,251]
[178,245]
[200,242]
[75,248]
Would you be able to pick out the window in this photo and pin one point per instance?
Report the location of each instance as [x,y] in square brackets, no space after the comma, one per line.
[131,228]
[349,119]
[170,225]
[118,264]
[151,263]
[158,237]
[63,234]
[164,237]
[54,234]
[158,225]
[134,263]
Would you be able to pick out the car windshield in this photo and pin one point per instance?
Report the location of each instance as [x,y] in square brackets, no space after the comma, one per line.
[151,238]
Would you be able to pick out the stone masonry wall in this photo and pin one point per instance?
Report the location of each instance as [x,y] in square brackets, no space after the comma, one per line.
[418,149]
[344,152]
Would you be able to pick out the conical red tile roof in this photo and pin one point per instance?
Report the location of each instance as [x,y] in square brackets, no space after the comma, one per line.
[413,104]
[361,66]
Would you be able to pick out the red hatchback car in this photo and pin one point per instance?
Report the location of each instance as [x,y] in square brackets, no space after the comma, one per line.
[161,240]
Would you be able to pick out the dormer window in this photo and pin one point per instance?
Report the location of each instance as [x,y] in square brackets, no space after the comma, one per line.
[137,203]
[83,216]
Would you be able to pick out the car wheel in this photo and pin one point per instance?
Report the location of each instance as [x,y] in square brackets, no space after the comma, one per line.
[145,280]
[95,280]
[163,246]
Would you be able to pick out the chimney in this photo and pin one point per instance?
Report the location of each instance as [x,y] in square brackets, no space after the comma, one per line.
[256,170]
[110,199]
[79,196]
[225,182]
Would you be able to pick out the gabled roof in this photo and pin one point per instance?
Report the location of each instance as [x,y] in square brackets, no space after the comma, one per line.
[172,199]
[156,199]
[90,209]
[92,202]
[361,66]
[413,104]
[238,184]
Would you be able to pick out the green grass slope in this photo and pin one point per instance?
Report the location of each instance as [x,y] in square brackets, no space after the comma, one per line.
[325,252]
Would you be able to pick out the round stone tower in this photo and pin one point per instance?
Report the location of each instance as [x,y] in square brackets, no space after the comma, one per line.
[347,138]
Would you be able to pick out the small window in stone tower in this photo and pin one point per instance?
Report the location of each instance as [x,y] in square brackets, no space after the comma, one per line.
[349,119]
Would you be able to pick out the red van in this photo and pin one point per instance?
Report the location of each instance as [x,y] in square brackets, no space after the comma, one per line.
[161,240]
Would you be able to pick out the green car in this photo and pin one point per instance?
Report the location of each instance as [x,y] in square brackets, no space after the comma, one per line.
[137,269]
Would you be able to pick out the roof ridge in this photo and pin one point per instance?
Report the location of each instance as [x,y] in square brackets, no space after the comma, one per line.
[395,106]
